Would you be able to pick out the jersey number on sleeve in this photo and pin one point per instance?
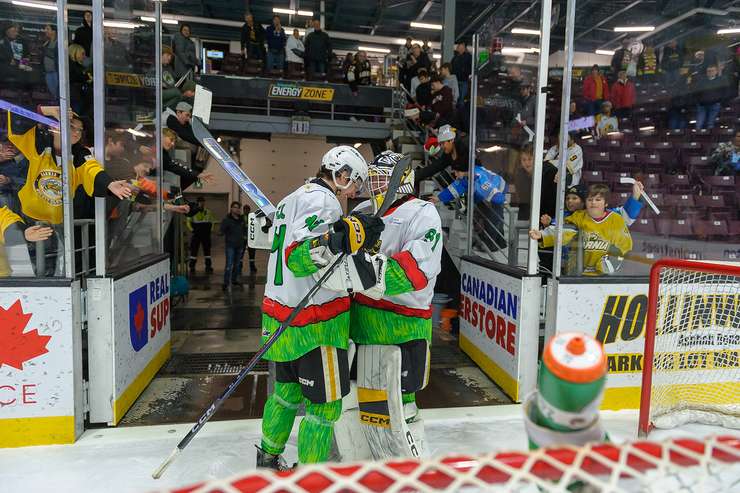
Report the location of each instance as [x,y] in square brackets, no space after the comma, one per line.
[432,236]
[277,246]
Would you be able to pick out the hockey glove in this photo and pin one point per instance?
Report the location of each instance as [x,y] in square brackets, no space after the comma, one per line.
[354,232]
[379,263]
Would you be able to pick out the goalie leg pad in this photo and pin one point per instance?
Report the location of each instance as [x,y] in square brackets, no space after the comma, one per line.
[380,402]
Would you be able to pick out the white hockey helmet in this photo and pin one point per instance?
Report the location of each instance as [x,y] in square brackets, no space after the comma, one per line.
[346,159]
[379,175]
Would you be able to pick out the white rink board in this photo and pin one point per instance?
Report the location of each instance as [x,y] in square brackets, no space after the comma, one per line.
[129,337]
[121,460]
[494,311]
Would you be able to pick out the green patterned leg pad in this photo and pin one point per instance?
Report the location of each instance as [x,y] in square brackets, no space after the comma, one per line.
[278,416]
[317,430]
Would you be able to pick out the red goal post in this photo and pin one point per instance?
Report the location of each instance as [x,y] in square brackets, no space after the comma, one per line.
[696,465]
[701,307]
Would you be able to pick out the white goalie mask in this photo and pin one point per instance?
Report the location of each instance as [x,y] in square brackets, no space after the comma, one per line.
[347,159]
[379,175]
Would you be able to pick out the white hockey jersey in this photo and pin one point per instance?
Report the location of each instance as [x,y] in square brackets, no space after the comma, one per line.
[574,164]
[412,241]
[306,213]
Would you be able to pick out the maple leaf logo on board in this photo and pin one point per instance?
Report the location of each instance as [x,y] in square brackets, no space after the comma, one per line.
[16,346]
[139,316]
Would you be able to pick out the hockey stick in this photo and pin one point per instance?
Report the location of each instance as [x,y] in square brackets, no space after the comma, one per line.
[231,167]
[388,199]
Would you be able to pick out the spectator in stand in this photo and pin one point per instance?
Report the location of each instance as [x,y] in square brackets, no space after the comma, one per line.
[294,52]
[445,71]
[252,38]
[318,51]
[80,81]
[50,60]
[698,66]
[623,95]
[427,48]
[83,35]
[606,123]
[180,122]
[359,72]
[117,55]
[13,171]
[462,62]
[233,229]
[276,41]
[441,106]
[403,53]
[423,91]
[595,90]
[529,103]
[574,163]
[416,60]
[170,92]
[13,57]
[415,82]
[349,60]
[709,92]
[671,63]
[647,65]
[184,50]
[726,157]
[453,152]
[250,251]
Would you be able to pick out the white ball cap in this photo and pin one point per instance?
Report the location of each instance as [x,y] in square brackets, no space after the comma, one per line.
[445,133]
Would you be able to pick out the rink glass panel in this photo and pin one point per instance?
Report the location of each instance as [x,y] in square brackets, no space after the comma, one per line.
[30,81]
[129,139]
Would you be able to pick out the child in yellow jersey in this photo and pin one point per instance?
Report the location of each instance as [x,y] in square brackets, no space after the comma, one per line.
[604,234]
[41,197]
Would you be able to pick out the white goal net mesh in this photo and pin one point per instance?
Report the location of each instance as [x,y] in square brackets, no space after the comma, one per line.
[695,373]
[679,465]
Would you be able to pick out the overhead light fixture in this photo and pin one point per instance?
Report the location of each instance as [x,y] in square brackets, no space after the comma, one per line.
[732,30]
[424,25]
[513,50]
[521,30]
[634,29]
[605,52]
[357,145]
[35,5]
[647,129]
[373,49]
[587,136]
[137,133]
[164,21]
[121,24]
[277,10]
[493,149]
[402,41]
[218,139]
[304,13]
[436,56]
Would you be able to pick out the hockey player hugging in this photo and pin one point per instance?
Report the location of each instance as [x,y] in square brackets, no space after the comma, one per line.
[312,366]
[391,323]
[604,237]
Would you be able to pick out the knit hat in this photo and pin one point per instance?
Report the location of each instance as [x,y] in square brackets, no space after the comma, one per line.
[188,85]
[445,133]
[184,106]
[580,190]
[431,146]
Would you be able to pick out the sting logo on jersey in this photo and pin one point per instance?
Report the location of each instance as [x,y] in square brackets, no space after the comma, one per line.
[149,309]
[48,186]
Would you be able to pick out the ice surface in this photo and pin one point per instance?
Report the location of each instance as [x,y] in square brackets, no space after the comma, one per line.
[122,459]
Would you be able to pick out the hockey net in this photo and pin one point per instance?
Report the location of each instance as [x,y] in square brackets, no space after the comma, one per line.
[708,465]
[691,371]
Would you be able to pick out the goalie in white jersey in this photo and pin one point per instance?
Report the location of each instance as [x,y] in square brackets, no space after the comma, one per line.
[391,323]
[310,357]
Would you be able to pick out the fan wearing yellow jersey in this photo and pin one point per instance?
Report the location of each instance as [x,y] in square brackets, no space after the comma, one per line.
[12,233]
[604,235]
[41,197]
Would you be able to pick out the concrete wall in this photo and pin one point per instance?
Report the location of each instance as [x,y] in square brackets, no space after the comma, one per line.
[278,166]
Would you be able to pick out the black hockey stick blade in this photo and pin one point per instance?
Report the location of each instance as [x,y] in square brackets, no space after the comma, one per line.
[388,198]
[231,167]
